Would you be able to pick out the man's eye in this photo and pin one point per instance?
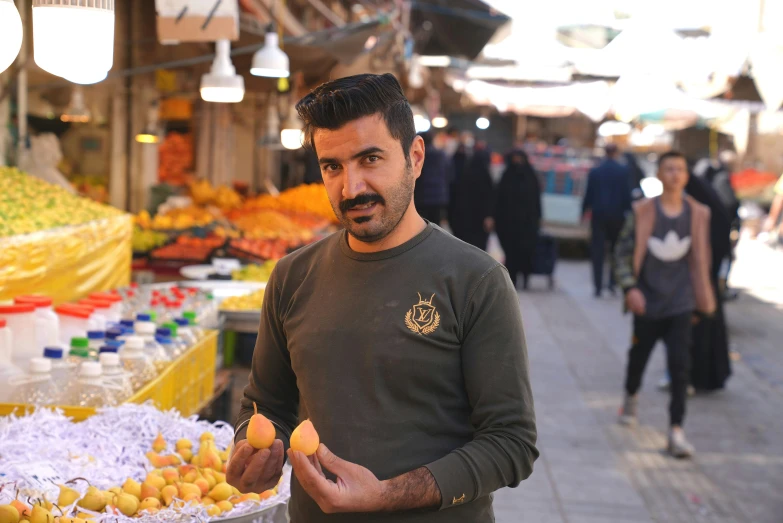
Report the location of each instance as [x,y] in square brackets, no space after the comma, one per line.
[373,158]
[331,167]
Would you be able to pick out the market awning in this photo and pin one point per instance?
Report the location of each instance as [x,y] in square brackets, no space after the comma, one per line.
[459,28]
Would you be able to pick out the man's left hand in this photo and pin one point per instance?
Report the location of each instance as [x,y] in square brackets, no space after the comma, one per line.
[356,489]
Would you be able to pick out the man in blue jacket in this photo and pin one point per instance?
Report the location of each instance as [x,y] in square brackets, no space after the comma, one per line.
[608,197]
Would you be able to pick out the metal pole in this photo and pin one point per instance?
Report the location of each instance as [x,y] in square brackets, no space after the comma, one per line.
[21,86]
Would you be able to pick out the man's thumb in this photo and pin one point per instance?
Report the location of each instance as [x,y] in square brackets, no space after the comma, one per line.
[331,462]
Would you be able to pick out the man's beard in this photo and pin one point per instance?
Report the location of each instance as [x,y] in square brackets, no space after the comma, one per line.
[387,216]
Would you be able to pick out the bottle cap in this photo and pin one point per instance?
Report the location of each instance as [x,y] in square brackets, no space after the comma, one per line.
[95,304]
[106,349]
[182,322]
[36,300]
[80,343]
[163,331]
[134,343]
[173,327]
[191,316]
[90,369]
[126,323]
[114,333]
[163,340]
[153,316]
[79,352]
[145,327]
[19,308]
[40,365]
[55,353]
[109,359]
[143,317]
[96,335]
[2,323]
[111,297]
[115,344]
[76,311]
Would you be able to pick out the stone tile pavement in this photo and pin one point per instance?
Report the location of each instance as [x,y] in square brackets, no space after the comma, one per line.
[593,471]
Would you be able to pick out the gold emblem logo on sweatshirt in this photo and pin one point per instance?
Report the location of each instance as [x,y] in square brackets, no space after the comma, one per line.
[422,318]
[458,500]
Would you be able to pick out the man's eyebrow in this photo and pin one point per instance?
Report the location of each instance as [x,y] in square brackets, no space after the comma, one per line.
[360,154]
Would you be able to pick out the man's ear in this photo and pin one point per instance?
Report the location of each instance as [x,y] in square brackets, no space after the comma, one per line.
[417,155]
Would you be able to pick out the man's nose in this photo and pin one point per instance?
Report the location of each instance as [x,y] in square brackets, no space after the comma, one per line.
[353,183]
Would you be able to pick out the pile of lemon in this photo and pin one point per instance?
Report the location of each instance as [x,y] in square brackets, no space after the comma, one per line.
[247,302]
[28,204]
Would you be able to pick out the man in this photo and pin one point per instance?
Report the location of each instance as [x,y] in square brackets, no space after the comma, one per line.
[608,198]
[776,211]
[403,345]
[431,195]
[663,265]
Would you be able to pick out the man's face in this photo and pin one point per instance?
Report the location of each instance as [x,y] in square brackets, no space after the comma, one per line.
[673,174]
[366,175]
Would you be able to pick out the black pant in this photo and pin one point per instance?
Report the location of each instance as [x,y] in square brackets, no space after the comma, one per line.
[603,230]
[431,213]
[676,334]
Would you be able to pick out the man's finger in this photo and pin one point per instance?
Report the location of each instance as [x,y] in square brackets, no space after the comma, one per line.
[317,464]
[238,462]
[318,487]
[255,467]
[331,462]
[274,465]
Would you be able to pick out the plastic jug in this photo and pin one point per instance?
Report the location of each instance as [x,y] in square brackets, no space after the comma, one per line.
[136,362]
[115,376]
[7,368]
[47,324]
[37,387]
[75,321]
[115,311]
[20,318]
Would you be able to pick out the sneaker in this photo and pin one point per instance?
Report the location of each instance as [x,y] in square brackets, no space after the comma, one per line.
[679,447]
[664,384]
[629,410]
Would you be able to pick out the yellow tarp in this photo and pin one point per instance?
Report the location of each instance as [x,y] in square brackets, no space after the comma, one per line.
[67,263]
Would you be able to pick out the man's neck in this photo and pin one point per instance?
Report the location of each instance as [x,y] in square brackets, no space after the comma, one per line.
[672,202]
[410,225]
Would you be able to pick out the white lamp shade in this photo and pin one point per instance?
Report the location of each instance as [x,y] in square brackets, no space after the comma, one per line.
[74,40]
[222,84]
[86,77]
[482,123]
[270,60]
[766,59]
[292,138]
[10,33]
[439,122]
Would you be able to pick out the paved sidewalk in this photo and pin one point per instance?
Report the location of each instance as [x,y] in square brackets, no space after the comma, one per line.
[593,471]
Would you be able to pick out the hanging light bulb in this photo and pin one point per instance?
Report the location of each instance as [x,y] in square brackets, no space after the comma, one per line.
[10,33]
[74,38]
[147,136]
[440,121]
[270,60]
[291,136]
[482,123]
[222,84]
[77,110]
[87,77]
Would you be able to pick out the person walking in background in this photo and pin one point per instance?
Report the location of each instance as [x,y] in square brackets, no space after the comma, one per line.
[459,162]
[432,188]
[472,221]
[518,215]
[608,198]
[711,365]
[663,265]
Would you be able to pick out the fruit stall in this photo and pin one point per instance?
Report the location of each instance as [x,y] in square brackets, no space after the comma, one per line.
[59,244]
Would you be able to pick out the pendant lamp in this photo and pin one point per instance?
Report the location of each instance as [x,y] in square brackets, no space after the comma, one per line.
[77,110]
[74,38]
[222,84]
[270,61]
[291,136]
[10,33]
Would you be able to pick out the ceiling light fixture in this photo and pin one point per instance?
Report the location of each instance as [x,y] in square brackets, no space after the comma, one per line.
[292,136]
[76,111]
[10,33]
[74,38]
[222,84]
[440,121]
[435,61]
[482,123]
[270,61]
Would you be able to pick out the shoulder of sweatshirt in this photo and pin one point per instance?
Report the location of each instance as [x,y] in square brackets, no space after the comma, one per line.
[468,260]
[293,268]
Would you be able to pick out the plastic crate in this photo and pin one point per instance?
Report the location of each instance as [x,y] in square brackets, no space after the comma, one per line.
[186,385]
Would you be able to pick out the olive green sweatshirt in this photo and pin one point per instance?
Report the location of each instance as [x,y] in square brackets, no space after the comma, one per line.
[410,357]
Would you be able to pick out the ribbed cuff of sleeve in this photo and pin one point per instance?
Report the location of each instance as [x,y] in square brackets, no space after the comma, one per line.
[454,481]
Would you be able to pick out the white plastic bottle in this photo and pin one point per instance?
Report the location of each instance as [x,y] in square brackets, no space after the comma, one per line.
[146,331]
[47,323]
[136,362]
[95,340]
[90,389]
[198,332]
[7,368]
[80,351]
[37,387]
[115,376]
[20,318]
[185,332]
[63,370]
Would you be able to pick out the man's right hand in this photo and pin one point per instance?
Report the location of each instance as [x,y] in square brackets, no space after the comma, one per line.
[251,470]
[635,301]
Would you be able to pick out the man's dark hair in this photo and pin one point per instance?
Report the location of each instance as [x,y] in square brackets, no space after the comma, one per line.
[669,155]
[611,150]
[335,103]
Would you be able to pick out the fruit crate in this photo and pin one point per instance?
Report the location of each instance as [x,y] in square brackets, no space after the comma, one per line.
[186,385]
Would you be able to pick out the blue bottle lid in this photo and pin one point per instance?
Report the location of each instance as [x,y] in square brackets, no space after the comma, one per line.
[96,335]
[53,352]
[163,340]
[182,322]
[143,317]
[114,343]
[113,334]
[107,348]
[126,323]
[163,331]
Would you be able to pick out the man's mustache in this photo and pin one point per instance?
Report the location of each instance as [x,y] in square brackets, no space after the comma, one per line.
[362,199]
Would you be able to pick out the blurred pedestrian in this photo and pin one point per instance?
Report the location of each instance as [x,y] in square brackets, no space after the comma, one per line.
[459,163]
[710,363]
[518,215]
[472,221]
[776,211]
[663,265]
[431,195]
[608,199]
